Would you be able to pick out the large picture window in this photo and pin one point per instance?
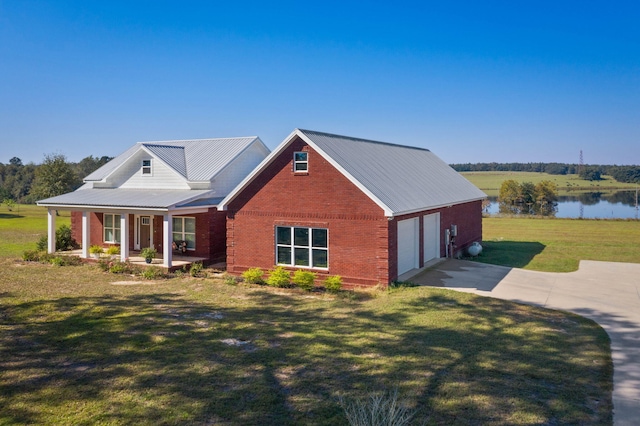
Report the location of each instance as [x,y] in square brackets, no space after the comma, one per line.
[184,229]
[111,226]
[298,246]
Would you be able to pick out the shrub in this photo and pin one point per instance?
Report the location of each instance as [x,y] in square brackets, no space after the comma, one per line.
[117,267]
[31,255]
[333,283]
[148,253]
[64,240]
[113,250]
[279,277]
[96,249]
[152,273]
[196,269]
[57,261]
[230,279]
[41,245]
[104,265]
[378,409]
[253,276]
[304,279]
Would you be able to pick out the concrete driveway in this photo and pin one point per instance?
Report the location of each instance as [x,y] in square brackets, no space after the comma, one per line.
[606,292]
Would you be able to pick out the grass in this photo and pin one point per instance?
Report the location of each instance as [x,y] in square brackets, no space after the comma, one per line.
[76,348]
[490,182]
[22,227]
[558,245]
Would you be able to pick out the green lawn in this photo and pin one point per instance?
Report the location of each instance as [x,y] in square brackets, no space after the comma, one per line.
[78,346]
[557,245]
[490,182]
[23,226]
[75,348]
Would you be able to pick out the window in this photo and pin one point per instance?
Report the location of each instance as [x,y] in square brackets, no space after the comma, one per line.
[306,247]
[146,167]
[111,225]
[300,162]
[184,229]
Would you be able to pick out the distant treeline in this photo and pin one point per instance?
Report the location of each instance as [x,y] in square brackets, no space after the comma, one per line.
[627,174]
[17,179]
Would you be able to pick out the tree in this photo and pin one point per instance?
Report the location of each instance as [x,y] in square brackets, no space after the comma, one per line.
[509,192]
[591,173]
[89,164]
[55,176]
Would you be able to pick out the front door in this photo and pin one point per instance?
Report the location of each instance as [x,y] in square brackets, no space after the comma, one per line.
[143,234]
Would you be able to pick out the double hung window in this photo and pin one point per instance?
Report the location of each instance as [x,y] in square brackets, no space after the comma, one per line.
[146,167]
[111,226]
[299,246]
[184,229]
[300,162]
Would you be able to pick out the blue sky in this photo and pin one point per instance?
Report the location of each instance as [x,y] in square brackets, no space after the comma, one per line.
[504,81]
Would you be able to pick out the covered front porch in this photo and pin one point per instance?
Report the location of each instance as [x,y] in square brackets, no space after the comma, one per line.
[133,219]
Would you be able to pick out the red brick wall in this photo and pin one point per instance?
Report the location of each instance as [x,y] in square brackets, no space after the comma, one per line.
[322,197]
[362,241]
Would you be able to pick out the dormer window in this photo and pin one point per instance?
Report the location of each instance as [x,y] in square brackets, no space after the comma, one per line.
[300,162]
[146,167]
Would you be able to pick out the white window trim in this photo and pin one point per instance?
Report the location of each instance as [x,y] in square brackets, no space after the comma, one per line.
[308,247]
[296,162]
[143,167]
[183,233]
[116,225]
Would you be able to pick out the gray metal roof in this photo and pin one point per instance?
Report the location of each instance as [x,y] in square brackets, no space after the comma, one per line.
[130,198]
[405,179]
[197,160]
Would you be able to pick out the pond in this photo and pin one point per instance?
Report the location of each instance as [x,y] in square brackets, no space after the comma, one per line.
[589,205]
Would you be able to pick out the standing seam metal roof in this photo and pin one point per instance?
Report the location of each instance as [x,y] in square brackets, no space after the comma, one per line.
[404,178]
[197,160]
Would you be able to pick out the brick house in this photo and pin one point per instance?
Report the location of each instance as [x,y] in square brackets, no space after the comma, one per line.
[367,211]
[162,195]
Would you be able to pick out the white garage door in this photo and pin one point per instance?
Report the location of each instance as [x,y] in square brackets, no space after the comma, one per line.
[431,224]
[407,245]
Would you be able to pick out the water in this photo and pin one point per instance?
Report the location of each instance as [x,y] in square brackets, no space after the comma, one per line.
[591,205]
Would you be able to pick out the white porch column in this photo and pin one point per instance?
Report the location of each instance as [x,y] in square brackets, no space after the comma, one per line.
[124,237]
[51,231]
[167,230]
[86,233]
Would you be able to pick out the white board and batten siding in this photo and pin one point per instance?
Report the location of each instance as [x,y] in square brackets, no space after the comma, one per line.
[408,245]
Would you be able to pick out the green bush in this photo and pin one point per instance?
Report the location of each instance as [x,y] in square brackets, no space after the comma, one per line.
[253,276]
[104,265]
[333,283]
[279,277]
[31,255]
[64,241]
[117,267]
[196,269]
[230,279]
[304,279]
[152,273]
[113,250]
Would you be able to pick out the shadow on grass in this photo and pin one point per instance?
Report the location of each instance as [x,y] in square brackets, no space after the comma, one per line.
[515,254]
[278,359]
[10,216]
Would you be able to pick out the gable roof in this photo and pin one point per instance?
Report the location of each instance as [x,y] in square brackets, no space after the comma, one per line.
[197,160]
[400,179]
